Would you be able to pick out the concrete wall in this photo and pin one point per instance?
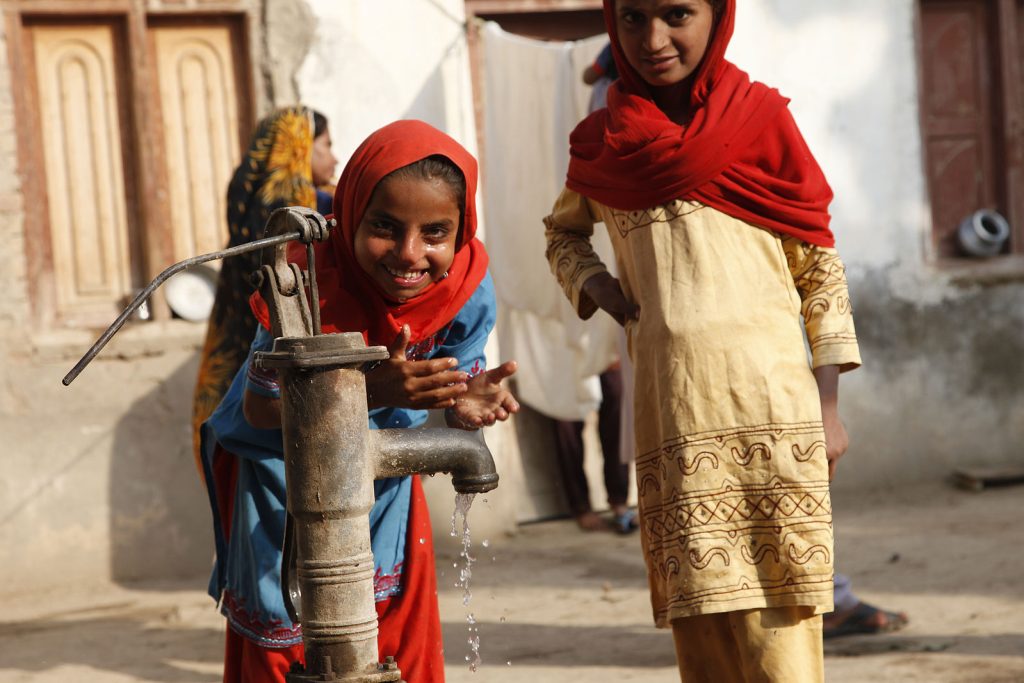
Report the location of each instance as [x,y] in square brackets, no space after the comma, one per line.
[941,381]
[99,482]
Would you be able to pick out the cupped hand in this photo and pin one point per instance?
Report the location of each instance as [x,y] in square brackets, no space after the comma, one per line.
[418,384]
[486,401]
[606,291]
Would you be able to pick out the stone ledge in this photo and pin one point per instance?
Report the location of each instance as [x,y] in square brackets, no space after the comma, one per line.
[134,340]
[995,271]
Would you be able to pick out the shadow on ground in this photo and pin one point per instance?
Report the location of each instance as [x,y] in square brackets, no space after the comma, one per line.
[564,646]
[870,645]
[152,643]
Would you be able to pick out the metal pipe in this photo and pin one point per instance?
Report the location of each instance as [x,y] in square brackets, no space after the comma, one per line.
[399,452]
[141,297]
[330,493]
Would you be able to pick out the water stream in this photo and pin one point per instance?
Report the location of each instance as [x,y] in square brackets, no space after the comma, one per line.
[462,503]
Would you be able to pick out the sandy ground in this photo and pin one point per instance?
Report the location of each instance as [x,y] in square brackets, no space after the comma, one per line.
[553,604]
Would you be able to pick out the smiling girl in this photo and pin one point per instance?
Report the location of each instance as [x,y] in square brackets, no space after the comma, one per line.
[718,215]
[404,268]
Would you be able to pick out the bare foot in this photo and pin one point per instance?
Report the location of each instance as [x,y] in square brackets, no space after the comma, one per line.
[590,521]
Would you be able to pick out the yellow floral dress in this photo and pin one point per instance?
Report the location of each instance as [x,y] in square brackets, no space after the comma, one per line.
[731,470]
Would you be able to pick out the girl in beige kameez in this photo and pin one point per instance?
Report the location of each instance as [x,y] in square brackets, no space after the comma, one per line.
[718,215]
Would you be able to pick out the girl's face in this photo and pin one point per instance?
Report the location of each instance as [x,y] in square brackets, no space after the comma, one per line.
[324,161]
[406,239]
[664,40]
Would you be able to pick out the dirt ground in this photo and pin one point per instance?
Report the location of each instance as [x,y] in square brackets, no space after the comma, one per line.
[553,604]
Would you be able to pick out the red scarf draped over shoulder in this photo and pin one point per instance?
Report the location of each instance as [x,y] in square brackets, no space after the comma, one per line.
[349,300]
[741,151]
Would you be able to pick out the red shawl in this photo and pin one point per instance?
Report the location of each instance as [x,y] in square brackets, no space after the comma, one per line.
[349,300]
[741,152]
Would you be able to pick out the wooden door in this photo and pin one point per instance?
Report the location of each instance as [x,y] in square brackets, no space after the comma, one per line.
[199,109]
[959,94]
[78,91]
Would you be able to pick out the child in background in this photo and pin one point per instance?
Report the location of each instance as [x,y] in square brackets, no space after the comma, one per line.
[719,220]
[404,268]
[599,76]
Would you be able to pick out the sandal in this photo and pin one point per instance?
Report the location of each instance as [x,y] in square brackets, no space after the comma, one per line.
[864,619]
[626,523]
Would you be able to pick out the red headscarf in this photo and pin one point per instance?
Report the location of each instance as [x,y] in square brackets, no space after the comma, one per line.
[741,152]
[349,300]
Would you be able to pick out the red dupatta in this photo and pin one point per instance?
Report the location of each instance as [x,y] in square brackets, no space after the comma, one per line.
[349,300]
[741,151]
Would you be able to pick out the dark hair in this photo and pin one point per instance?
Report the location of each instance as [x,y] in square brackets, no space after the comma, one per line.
[442,168]
[717,6]
[319,124]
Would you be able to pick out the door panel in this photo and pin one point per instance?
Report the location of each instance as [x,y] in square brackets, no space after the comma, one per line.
[81,129]
[959,122]
[196,77]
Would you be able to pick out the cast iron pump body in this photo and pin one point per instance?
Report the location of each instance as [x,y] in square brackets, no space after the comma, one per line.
[332,458]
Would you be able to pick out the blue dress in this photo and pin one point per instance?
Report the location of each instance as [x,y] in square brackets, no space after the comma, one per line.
[246,577]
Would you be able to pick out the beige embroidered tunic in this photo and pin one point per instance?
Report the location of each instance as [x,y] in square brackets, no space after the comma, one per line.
[731,469]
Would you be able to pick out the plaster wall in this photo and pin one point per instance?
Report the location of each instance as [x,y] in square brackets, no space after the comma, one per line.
[14,304]
[940,385]
[369,65]
[99,482]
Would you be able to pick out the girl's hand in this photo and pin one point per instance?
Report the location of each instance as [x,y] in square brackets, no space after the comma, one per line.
[607,294]
[836,439]
[419,384]
[485,401]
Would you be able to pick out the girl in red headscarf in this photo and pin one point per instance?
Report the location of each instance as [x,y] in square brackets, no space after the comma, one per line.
[404,268]
[718,214]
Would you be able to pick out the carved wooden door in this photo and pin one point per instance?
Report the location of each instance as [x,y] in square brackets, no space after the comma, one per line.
[199,109]
[961,130]
[80,121]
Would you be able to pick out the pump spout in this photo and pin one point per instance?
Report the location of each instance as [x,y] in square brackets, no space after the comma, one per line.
[401,452]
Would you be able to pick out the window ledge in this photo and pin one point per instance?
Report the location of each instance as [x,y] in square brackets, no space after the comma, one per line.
[134,340]
[994,271]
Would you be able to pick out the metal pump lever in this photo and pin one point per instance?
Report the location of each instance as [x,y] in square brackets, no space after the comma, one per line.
[283,280]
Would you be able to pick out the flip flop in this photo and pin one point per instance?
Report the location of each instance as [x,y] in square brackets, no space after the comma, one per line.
[863,619]
[626,522]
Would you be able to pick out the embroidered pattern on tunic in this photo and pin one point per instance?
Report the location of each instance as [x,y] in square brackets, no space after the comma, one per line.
[628,221]
[757,539]
[247,622]
[820,278]
[571,260]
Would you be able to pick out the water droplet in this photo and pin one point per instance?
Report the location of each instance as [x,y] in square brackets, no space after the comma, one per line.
[422,541]
[463,501]
[508,663]
[485,543]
